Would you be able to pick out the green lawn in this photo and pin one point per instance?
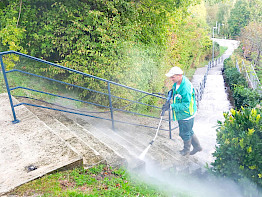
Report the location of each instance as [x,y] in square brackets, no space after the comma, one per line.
[97,181]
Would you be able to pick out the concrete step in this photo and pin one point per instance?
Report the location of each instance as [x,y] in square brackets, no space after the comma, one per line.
[81,139]
[201,71]
[112,158]
[113,139]
[135,141]
[214,96]
[29,142]
[164,152]
[90,156]
[196,80]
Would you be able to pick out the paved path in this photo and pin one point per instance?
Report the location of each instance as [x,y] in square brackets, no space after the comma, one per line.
[214,102]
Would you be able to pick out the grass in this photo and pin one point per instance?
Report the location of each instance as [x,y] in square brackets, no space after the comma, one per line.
[100,180]
[222,50]
[191,71]
[2,83]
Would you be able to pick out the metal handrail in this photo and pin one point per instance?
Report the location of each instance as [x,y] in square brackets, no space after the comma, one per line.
[78,72]
[200,90]
[250,75]
[109,94]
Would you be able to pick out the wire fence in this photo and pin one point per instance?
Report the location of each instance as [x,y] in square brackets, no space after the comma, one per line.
[250,74]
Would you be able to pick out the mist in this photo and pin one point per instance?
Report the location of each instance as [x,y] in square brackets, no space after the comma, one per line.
[201,184]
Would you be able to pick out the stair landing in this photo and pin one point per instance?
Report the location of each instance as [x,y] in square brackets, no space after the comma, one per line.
[29,143]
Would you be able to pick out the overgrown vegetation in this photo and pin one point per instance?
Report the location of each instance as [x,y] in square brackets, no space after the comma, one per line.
[239,150]
[130,42]
[243,96]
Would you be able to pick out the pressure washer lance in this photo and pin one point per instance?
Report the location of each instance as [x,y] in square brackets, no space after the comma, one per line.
[142,155]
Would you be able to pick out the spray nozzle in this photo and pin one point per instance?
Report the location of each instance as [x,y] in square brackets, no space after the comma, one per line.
[151,142]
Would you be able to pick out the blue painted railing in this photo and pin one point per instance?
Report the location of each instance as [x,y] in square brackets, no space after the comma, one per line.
[108,94]
[199,91]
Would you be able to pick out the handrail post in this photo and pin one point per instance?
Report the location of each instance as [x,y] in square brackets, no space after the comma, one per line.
[110,104]
[8,91]
[169,122]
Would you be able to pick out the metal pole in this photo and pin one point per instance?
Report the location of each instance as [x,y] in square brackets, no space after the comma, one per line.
[8,91]
[111,107]
[213,51]
[213,36]
[169,119]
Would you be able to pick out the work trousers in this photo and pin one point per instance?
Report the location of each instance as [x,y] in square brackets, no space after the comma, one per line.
[186,129]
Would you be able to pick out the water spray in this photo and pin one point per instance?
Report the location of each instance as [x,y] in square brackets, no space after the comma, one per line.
[143,154]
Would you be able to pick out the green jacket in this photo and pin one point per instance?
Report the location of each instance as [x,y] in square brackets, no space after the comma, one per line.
[184,104]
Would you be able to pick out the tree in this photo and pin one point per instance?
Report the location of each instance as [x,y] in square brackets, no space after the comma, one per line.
[239,17]
[251,38]
[119,40]
[255,7]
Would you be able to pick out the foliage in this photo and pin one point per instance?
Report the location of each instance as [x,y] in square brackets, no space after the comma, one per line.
[252,41]
[255,7]
[222,50]
[239,150]
[2,84]
[219,13]
[245,97]
[239,17]
[129,42]
[11,35]
[189,43]
[238,153]
[212,2]
[232,76]
[235,15]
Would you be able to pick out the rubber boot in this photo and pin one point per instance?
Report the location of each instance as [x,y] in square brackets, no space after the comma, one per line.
[186,150]
[196,145]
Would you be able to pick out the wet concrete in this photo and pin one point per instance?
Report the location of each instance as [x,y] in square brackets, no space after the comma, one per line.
[214,102]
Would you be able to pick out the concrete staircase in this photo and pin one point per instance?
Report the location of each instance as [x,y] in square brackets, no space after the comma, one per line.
[51,140]
[97,143]
[87,141]
[92,150]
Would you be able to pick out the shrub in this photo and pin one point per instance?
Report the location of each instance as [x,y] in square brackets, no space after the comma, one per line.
[233,77]
[228,63]
[239,151]
[245,97]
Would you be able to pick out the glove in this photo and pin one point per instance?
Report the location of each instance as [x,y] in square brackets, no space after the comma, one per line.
[166,106]
[169,95]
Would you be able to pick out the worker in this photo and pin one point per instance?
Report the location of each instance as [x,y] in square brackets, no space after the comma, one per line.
[184,109]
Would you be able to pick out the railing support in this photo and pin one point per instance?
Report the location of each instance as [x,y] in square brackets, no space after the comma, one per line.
[169,123]
[111,107]
[8,91]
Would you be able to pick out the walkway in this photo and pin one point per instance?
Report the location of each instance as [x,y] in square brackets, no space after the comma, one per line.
[214,102]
